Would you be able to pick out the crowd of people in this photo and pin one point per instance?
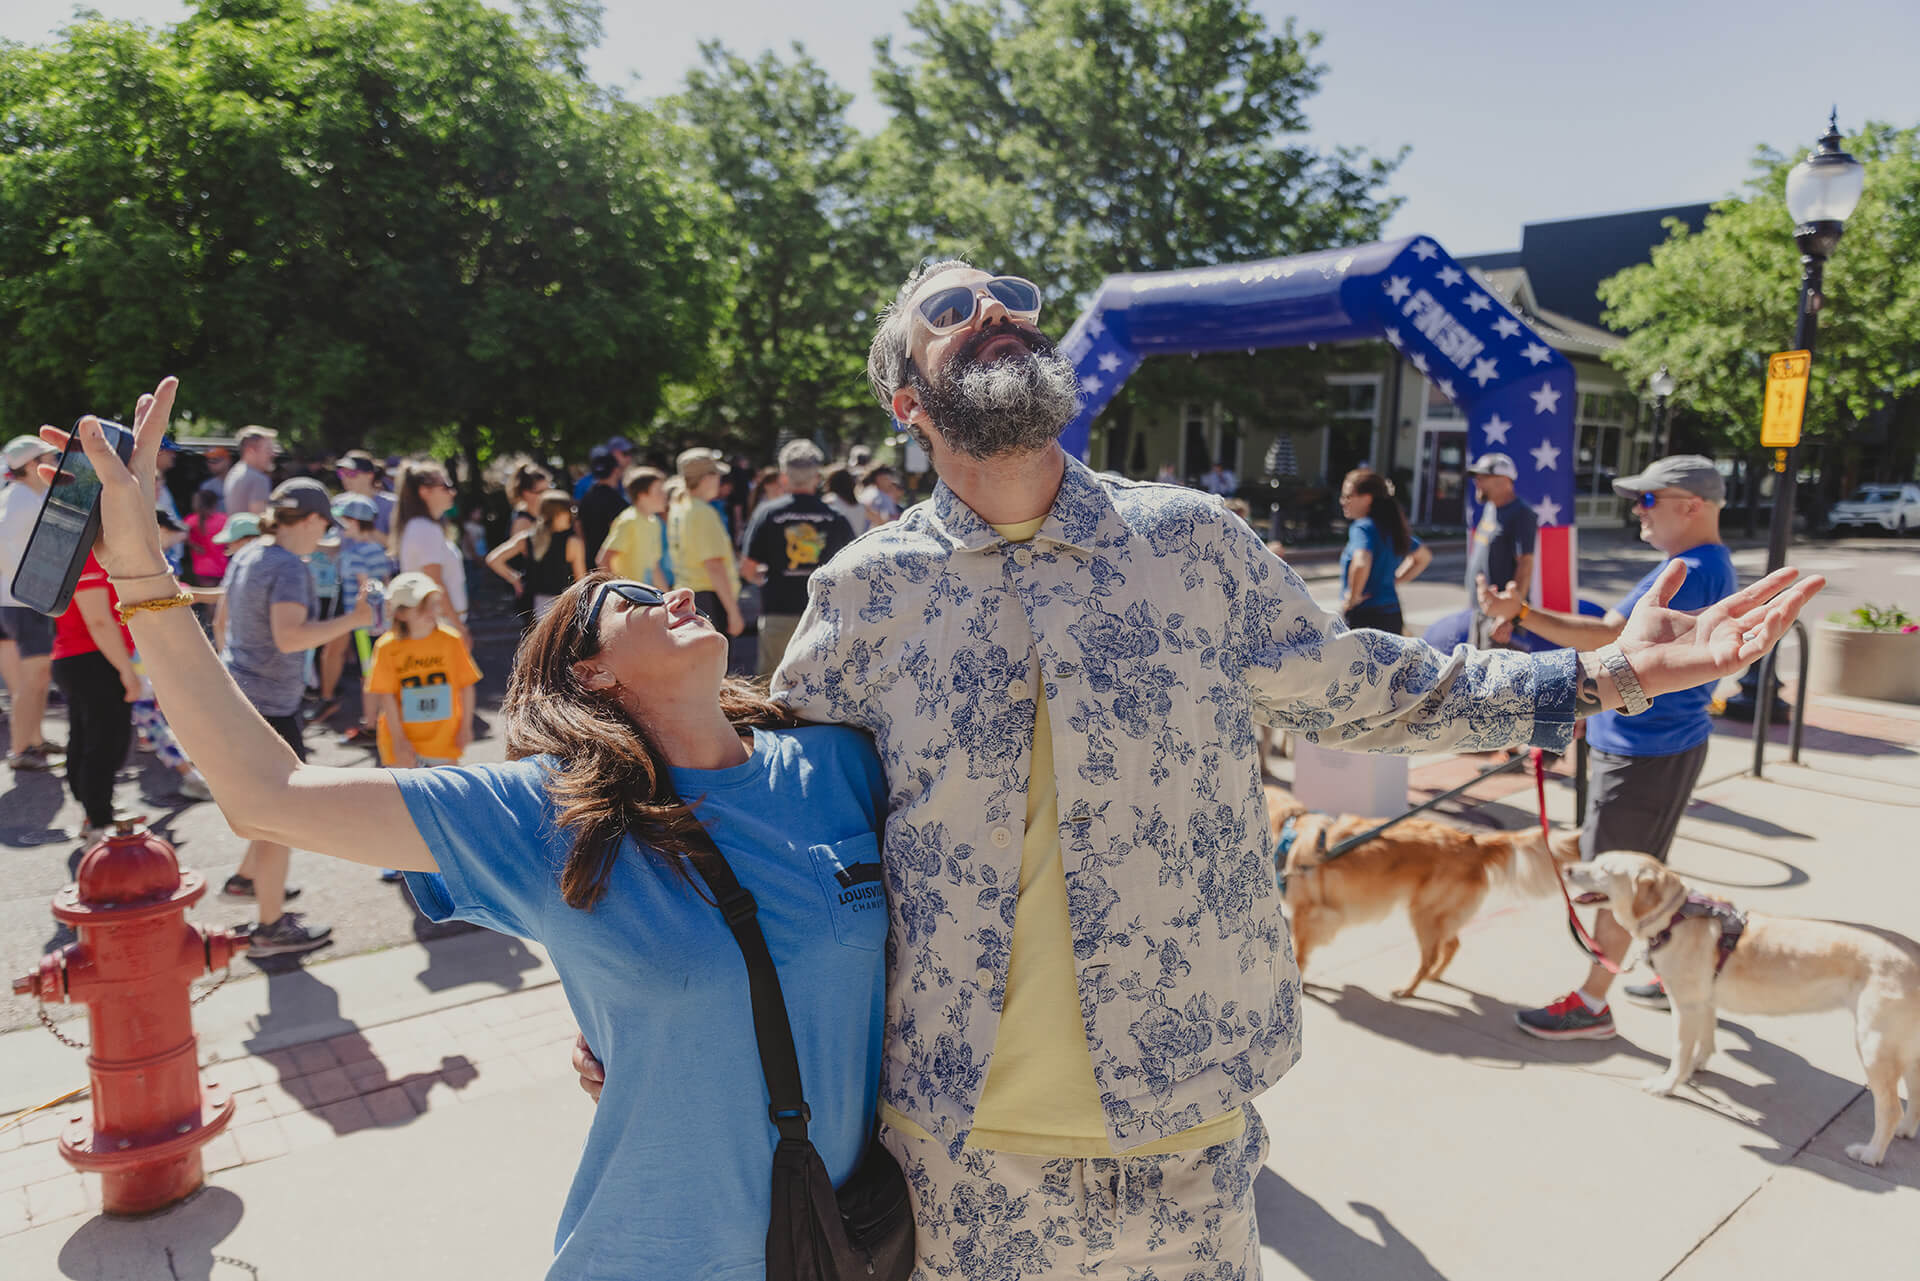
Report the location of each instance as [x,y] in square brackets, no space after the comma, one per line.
[999,812]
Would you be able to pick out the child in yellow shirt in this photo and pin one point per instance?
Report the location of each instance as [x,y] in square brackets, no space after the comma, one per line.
[422,681]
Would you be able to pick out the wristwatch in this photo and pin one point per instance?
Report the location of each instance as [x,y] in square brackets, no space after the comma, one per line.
[1633,699]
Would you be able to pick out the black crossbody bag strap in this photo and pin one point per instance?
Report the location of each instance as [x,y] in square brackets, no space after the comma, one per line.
[779,1061]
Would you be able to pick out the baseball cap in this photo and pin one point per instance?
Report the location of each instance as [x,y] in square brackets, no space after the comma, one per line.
[1493,465]
[409,589]
[22,450]
[1691,472]
[601,462]
[356,507]
[620,444]
[695,465]
[309,497]
[242,525]
[801,455]
[357,460]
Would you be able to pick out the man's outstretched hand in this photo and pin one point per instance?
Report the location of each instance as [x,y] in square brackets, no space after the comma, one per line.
[1671,650]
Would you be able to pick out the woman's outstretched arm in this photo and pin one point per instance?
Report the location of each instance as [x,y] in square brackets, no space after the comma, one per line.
[261,787]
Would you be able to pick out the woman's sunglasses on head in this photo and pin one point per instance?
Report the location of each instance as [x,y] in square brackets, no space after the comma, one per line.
[949,309]
[586,614]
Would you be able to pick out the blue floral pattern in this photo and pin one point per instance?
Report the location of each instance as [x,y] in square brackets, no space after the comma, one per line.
[997,1216]
[1165,629]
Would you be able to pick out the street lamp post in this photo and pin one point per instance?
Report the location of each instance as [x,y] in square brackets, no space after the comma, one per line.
[1822,191]
[1661,385]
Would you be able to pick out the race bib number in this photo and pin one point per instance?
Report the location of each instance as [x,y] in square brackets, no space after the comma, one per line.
[423,703]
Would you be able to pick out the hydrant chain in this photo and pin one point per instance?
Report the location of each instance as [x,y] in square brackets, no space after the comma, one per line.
[47,1021]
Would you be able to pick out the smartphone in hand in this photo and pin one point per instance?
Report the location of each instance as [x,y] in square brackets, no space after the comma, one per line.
[67,526]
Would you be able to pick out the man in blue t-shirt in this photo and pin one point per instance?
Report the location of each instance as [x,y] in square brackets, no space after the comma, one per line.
[1644,767]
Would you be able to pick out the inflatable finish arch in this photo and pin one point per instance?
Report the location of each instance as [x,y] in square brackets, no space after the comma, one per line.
[1516,392]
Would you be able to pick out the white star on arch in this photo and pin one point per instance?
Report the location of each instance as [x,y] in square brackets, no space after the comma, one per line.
[1424,249]
[1484,371]
[1548,511]
[1478,302]
[1398,287]
[1393,336]
[1109,362]
[1497,429]
[1419,361]
[1545,400]
[1095,326]
[1546,456]
[1446,388]
[1536,354]
[1448,276]
[1091,385]
[1507,327]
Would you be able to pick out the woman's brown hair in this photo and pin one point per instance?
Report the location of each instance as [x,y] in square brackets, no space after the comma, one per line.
[552,503]
[1385,511]
[610,777]
[414,473]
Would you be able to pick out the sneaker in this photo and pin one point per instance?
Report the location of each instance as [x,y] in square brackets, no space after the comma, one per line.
[1652,995]
[389,875]
[288,934]
[195,788]
[241,888]
[1567,1019]
[35,760]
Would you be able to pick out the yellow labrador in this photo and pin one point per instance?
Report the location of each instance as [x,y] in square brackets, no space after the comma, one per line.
[1779,965]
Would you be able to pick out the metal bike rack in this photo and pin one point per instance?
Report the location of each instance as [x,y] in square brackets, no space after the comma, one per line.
[1763,710]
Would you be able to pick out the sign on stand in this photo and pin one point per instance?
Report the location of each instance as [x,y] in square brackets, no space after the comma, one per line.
[1787,374]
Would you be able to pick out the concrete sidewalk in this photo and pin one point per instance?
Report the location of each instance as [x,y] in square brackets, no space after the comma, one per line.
[394,1129]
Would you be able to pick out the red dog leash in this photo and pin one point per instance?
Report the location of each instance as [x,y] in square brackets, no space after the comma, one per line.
[1580,935]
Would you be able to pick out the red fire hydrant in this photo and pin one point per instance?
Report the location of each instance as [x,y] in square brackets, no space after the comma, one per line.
[133,962]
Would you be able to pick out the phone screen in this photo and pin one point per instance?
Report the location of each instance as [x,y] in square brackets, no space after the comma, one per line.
[69,521]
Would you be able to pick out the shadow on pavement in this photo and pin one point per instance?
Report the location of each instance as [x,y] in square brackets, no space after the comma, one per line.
[1297,1228]
[1708,812]
[1813,738]
[190,1232]
[487,957]
[1792,875]
[30,805]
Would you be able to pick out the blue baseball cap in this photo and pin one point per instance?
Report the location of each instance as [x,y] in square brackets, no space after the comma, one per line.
[356,507]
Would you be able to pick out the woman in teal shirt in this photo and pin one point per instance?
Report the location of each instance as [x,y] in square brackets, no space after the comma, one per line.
[618,709]
[1381,553]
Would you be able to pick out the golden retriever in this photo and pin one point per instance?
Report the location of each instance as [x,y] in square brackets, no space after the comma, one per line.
[1781,965]
[1440,873]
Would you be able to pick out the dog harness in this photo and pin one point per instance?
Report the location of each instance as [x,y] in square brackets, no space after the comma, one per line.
[1732,922]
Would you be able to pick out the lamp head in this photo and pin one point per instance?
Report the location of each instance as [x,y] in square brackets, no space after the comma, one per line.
[1661,384]
[1822,191]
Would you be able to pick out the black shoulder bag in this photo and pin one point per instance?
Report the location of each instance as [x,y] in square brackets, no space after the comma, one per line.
[863,1231]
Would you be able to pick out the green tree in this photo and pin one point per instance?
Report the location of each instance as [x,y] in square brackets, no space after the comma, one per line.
[1071,139]
[1711,305]
[360,219]
[806,248]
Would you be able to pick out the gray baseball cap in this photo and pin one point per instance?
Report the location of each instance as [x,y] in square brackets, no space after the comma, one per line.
[1493,465]
[306,496]
[801,455]
[1691,472]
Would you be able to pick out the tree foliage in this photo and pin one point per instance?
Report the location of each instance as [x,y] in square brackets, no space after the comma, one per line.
[1711,305]
[807,248]
[343,220]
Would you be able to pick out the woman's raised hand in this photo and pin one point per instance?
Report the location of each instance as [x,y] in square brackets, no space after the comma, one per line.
[129,545]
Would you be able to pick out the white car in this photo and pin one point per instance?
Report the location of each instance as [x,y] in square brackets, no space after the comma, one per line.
[1894,508]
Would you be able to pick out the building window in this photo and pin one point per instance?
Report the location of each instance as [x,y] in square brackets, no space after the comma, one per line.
[1439,408]
[1605,421]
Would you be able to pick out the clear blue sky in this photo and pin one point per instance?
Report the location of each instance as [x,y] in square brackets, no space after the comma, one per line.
[1516,112]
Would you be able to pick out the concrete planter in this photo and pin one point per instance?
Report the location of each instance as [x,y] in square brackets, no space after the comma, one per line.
[1862,664]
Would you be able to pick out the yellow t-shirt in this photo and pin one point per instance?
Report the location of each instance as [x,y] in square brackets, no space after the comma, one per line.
[696,535]
[1041,1098]
[634,544]
[426,674]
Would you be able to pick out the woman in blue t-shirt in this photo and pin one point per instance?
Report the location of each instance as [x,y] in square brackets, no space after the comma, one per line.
[1381,552]
[618,711]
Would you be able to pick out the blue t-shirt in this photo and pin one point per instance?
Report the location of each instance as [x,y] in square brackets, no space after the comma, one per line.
[1678,721]
[675,1178]
[1364,535]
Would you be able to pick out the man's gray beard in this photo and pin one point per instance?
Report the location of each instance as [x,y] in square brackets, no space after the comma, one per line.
[1013,406]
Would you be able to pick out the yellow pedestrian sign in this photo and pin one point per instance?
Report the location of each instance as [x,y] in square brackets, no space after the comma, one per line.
[1787,373]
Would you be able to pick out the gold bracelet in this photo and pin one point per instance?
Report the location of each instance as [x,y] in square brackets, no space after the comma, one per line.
[183,597]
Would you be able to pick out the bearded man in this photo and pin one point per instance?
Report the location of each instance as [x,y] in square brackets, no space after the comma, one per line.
[1089,976]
